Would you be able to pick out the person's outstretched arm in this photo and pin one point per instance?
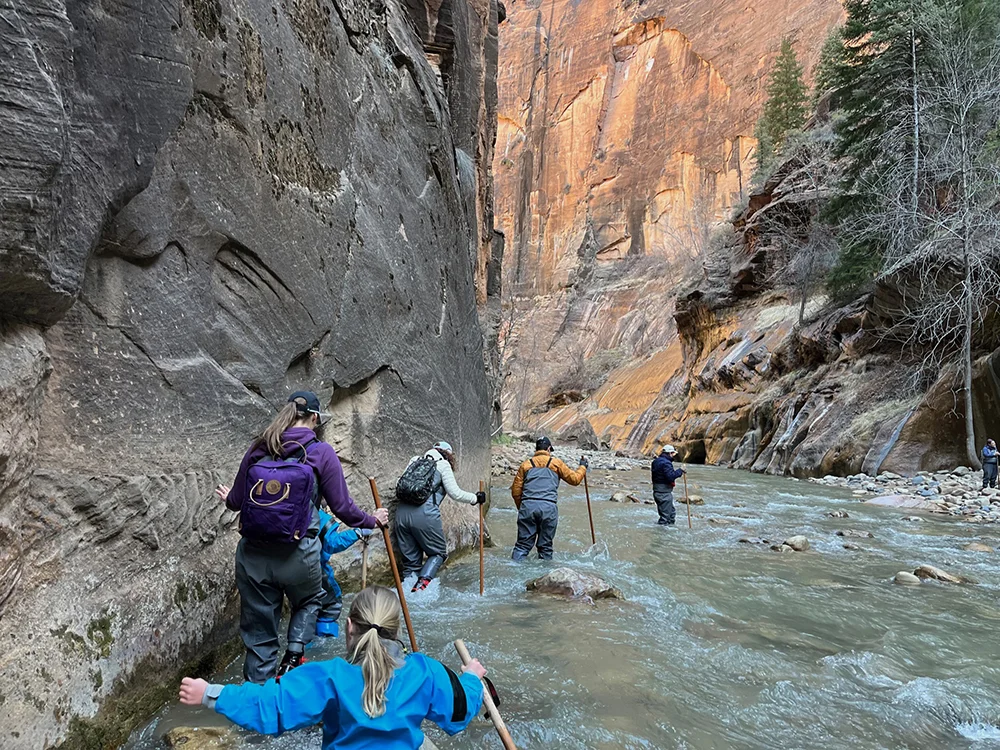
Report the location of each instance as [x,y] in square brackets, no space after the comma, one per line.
[455,701]
[333,487]
[451,484]
[299,700]
[568,475]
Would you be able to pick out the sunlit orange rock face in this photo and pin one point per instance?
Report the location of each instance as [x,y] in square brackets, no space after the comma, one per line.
[625,135]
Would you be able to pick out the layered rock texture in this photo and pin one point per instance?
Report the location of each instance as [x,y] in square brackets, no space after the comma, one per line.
[646,313]
[204,205]
[624,137]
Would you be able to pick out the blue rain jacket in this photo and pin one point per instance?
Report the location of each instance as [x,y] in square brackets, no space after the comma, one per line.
[329,692]
[334,541]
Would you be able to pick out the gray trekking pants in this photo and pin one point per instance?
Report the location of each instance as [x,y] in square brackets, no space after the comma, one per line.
[663,494]
[536,527]
[419,532]
[265,575]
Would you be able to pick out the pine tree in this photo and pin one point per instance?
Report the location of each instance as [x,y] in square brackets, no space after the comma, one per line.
[785,108]
[830,58]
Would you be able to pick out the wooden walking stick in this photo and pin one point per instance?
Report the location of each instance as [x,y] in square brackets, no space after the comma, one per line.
[491,709]
[687,498]
[395,570]
[586,488]
[482,572]
[364,563]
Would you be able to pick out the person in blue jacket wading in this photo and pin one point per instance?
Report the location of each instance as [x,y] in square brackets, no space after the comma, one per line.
[277,491]
[664,477]
[334,540]
[376,699]
[990,464]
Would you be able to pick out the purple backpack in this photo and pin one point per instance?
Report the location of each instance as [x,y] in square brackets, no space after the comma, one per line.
[283,493]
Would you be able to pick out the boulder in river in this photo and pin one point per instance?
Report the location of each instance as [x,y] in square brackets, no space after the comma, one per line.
[695,500]
[851,546]
[936,574]
[978,547]
[904,578]
[721,521]
[838,514]
[781,548]
[856,534]
[200,738]
[573,584]
[619,497]
[798,543]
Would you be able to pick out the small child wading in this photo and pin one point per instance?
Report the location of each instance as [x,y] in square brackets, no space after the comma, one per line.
[334,540]
[428,479]
[376,699]
[277,491]
[535,491]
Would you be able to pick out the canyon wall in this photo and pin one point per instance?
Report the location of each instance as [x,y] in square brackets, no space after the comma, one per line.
[624,138]
[204,205]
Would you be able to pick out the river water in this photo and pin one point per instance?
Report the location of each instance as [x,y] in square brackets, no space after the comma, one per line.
[719,644]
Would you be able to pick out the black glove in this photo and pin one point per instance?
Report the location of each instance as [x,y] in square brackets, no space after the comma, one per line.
[584,462]
[480,498]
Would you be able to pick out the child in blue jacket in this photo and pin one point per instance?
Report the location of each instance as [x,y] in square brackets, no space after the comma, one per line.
[377,699]
[334,540]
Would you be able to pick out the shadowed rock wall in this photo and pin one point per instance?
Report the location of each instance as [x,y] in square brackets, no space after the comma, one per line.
[204,205]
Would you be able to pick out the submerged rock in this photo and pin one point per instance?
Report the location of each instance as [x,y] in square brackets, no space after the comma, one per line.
[753,540]
[910,502]
[838,514]
[978,547]
[573,584]
[798,543]
[929,571]
[851,546]
[619,497]
[199,738]
[782,548]
[856,533]
[721,521]
[695,500]
[906,579]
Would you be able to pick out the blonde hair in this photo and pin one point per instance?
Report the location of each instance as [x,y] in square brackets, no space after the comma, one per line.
[375,615]
[290,413]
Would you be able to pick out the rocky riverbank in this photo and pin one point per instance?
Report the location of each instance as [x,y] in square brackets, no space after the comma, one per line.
[958,492]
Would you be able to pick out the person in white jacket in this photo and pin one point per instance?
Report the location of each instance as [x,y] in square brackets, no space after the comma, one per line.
[419,530]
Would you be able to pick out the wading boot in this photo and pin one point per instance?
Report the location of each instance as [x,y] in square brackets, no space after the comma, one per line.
[420,585]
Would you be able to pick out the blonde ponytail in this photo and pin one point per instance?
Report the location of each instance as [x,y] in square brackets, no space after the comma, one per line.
[375,618]
[271,438]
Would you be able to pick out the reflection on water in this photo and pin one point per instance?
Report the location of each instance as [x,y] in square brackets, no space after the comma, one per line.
[720,644]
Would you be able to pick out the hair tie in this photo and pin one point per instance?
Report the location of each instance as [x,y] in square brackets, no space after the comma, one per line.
[382,632]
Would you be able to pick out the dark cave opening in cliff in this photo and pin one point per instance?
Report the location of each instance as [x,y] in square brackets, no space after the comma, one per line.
[694,452]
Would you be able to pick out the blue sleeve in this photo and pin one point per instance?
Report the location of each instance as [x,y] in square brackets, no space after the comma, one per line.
[300,700]
[676,473]
[442,705]
[338,541]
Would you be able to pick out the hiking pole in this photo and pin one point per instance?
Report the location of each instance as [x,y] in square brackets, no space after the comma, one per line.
[364,563]
[586,488]
[687,498]
[395,570]
[482,574]
[491,709]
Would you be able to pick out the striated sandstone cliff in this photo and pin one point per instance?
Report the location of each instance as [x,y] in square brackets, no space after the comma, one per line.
[204,205]
[624,137]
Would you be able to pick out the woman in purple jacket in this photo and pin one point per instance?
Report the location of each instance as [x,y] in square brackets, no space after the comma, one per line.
[277,491]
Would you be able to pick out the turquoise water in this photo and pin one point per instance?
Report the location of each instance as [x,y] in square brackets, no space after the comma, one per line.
[719,644]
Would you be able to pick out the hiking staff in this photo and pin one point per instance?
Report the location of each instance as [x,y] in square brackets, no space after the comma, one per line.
[590,513]
[482,573]
[395,570]
[491,709]
[687,499]
[364,563]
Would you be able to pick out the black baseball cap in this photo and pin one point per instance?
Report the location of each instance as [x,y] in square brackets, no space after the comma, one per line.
[543,444]
[311,405]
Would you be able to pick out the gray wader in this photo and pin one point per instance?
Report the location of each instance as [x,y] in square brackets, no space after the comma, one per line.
[989,473]
[419,532]
[538,516]
[265,575]
[663,494]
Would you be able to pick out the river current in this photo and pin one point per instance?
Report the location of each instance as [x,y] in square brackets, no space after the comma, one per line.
[720,644]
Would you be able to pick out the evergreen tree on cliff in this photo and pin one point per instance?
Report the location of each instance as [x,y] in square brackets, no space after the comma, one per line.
[786,106]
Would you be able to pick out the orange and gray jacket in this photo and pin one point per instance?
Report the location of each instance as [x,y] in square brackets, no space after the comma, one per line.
[538,478]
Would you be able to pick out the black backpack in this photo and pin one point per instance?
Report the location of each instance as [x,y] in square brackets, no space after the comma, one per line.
[418,482]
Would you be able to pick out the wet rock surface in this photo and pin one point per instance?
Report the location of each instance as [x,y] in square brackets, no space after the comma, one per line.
[573,584]
[207,206]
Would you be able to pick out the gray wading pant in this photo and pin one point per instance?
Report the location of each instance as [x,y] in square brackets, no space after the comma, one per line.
[989,475]
[536,526]
[419,532]
[265,575]
[663,494]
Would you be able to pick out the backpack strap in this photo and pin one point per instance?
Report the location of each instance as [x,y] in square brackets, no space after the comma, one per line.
[304,447]
[460,707]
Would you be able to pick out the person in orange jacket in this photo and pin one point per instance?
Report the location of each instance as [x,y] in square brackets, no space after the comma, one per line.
[535,492]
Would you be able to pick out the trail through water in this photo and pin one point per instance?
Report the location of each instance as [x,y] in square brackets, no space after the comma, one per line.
[720,644]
